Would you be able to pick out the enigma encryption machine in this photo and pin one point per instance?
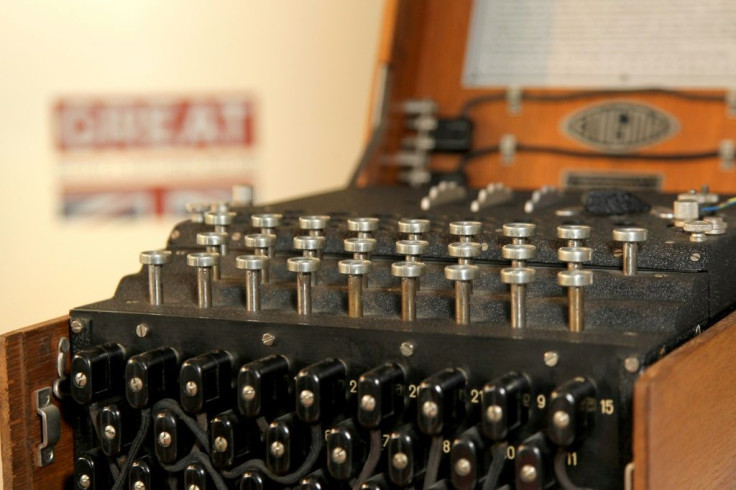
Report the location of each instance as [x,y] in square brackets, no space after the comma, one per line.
[353,340]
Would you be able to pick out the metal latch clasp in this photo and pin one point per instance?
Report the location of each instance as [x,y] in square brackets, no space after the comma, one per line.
[50,426]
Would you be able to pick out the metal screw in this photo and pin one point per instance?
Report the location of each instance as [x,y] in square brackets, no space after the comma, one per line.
[408,272]
[355,270]
[400,461]
[304,268]
[465,230]
[193,487]
[248,392]
[360,247]
[575,256]
[314,225]
[141,330]
[139,485]
[277,449]
[551,358]
[262,245]
[519,232]
[214,243]
[267,223]
[80,380]
[695,257]
[220,444]
[268,339]
[528,473]
[339,455]
[368,403]
[306,398]
[561,419]
[463,467]
[463,276]
[575,281]
[630,237]
[518,253]
[220,220]
[204,262]
[164,439]
[407,349]
[698,230]
[632,364]
[110,432]
[77,325]
[253,265]
[155,260]
[430,409]
[191,388]
[494,413]
[135,384]
[363,226]
[574,234]
[84,481]
[414,227]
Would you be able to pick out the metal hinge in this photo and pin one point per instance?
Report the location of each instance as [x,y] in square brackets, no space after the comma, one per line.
[50,426]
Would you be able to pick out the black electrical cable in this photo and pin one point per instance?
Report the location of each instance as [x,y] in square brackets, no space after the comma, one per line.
[433,463]
[561,472]
[291,478]
[494,472]
[191,423]
[374,455]
[204,460]
[466,159]
[134,448]
[586,94]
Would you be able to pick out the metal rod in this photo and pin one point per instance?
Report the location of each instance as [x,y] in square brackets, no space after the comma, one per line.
[518,305]
[155,286]
[204,287]
[304,293]
[630,250]
[355,296]
[253,290]
[462,302]
[214,249]
[408,299]
[576,311]
[266,273]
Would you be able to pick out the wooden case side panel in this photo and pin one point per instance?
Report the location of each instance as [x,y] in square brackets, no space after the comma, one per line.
[27,363]
[685,415]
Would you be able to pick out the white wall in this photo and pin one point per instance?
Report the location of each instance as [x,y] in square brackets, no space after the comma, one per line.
[308,62]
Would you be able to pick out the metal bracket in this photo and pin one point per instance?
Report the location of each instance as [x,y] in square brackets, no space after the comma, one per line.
[62,356]
[50,426]
[629,476]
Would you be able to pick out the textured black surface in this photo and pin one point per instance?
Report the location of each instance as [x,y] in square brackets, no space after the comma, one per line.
[612,202]
[682,287]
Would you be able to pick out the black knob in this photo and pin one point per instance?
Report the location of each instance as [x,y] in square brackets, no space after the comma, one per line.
[170,443]
[407,456]
[195,476]
[151,376]
[505,405]
[380,395]
[346,450]
[320,391]
[441,401]
[205,382]
[97,373]
[254,480]
[314,481]
[143,473]
[533,464]
[469,459]
[91,471]
[232,439]
[287,443]
[263,387]
[571,412]
[118,426]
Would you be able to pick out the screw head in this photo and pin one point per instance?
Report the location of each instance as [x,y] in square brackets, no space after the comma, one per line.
[430,409]
[368,403]
[561,419]
[463,467]
[164,439]
[528,473]
[84,481]
[494,413]
[277,449]
[191,388]
[268,339]
[135,384]
[694,257]
[110,432]
[407,349]
[193,487]
[551,358]
[306,398]
[339,455]
[77,326]
[220,444]
[142,330]
[632,364]
[80,380]
[400,461]
[139,485]
[248,392]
